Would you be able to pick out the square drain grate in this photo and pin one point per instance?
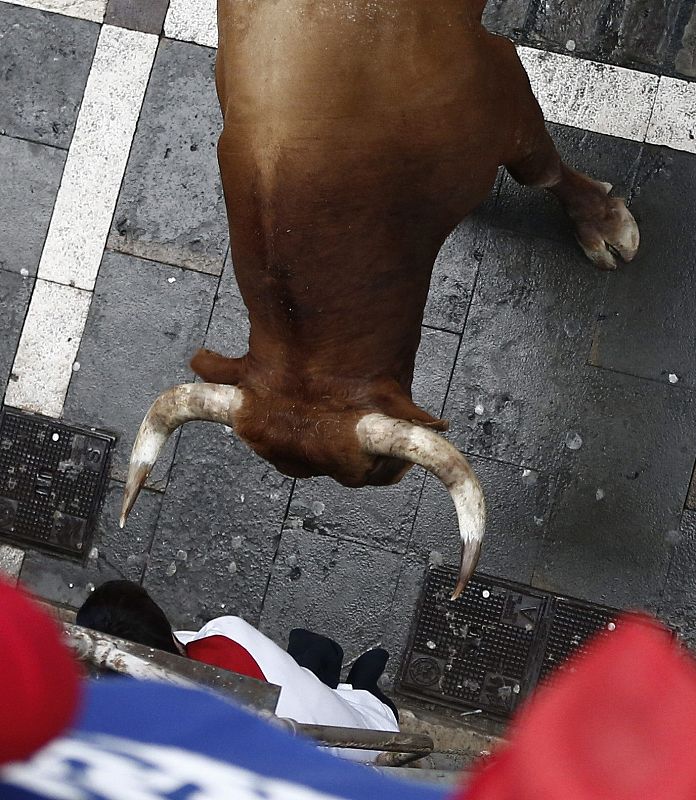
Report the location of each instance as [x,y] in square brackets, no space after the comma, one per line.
[491,647]
[52,482]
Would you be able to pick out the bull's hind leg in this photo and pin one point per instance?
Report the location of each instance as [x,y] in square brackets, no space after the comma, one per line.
[604,227]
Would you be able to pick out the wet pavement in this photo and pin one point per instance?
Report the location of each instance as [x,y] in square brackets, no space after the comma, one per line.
[571,389]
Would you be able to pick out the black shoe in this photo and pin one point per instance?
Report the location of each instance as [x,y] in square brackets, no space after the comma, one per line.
[367,670]
[319,654]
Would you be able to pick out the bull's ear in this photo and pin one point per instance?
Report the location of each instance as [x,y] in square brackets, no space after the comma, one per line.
[215,368]
[208,402]
[390,398]
[441,425]
[385,436]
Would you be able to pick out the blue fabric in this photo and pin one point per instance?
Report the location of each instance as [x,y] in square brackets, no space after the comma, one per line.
[178,744]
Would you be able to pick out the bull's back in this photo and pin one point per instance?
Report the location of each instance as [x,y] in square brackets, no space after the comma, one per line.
[356,89]
[357,135]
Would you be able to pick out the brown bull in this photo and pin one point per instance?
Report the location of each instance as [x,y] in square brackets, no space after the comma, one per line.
[357,135]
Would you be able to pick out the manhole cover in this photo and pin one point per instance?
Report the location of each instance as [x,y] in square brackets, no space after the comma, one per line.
[489,649]
[477,650]
[52,482]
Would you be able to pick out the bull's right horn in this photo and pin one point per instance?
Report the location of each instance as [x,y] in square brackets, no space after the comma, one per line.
[386,436]
[209,402]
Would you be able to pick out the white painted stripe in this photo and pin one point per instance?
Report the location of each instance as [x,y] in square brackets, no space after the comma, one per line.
[52,331]
[11,560]
[592,96]
[192,21]
[673,122]
[92,10]
[81,220]
[97,157]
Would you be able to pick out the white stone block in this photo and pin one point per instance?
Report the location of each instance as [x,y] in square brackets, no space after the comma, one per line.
[589,95]
[51,336]
[93,10]
[192,21]
[11,560]
[673,122]
[97,158]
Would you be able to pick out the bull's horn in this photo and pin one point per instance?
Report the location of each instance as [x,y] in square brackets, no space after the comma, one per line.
[211,402]
[385,436]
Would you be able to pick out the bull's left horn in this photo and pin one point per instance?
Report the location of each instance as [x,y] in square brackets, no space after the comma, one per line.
[209,402]
[385,436]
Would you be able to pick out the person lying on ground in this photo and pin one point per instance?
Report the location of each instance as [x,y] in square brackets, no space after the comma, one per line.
[307,676]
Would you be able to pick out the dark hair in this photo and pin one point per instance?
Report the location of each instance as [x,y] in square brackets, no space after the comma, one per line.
[126,610]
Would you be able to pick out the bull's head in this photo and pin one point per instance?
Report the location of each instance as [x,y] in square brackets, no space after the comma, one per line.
[356,448]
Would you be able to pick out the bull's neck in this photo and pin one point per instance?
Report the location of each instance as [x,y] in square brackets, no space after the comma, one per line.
[314,364]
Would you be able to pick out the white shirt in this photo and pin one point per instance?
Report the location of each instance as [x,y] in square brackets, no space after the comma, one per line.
[303,697]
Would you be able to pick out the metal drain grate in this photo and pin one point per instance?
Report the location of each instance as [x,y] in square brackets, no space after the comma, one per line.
[490,648]
[52,482]
[573,624]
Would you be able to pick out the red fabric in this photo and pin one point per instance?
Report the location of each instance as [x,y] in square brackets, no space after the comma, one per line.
[219,651]
[39,679]
[620,725]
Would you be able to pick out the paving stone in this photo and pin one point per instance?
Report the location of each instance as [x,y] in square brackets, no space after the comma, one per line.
[622,491]
[228,332]
[590,95]
[632,33]
[672,122]
[46,354]
[140,333]
[402,614]
[381,516]
[218,531]
[518,504]
[538,213]
[644,37]
[685,59]
[98,157]
[115,553]
[30,176]
[192,21]
[691,497]
[648,326]
[15,292]
[529,330]
[136,15]
[455,269]
[578,27]
[11,560]
[678,606]
[453,277]
[171,207]
[44,63]
[82,9]
[433,370]
[506,17]
[341,589]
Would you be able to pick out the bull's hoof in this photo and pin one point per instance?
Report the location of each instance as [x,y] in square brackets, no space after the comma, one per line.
[606,230]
